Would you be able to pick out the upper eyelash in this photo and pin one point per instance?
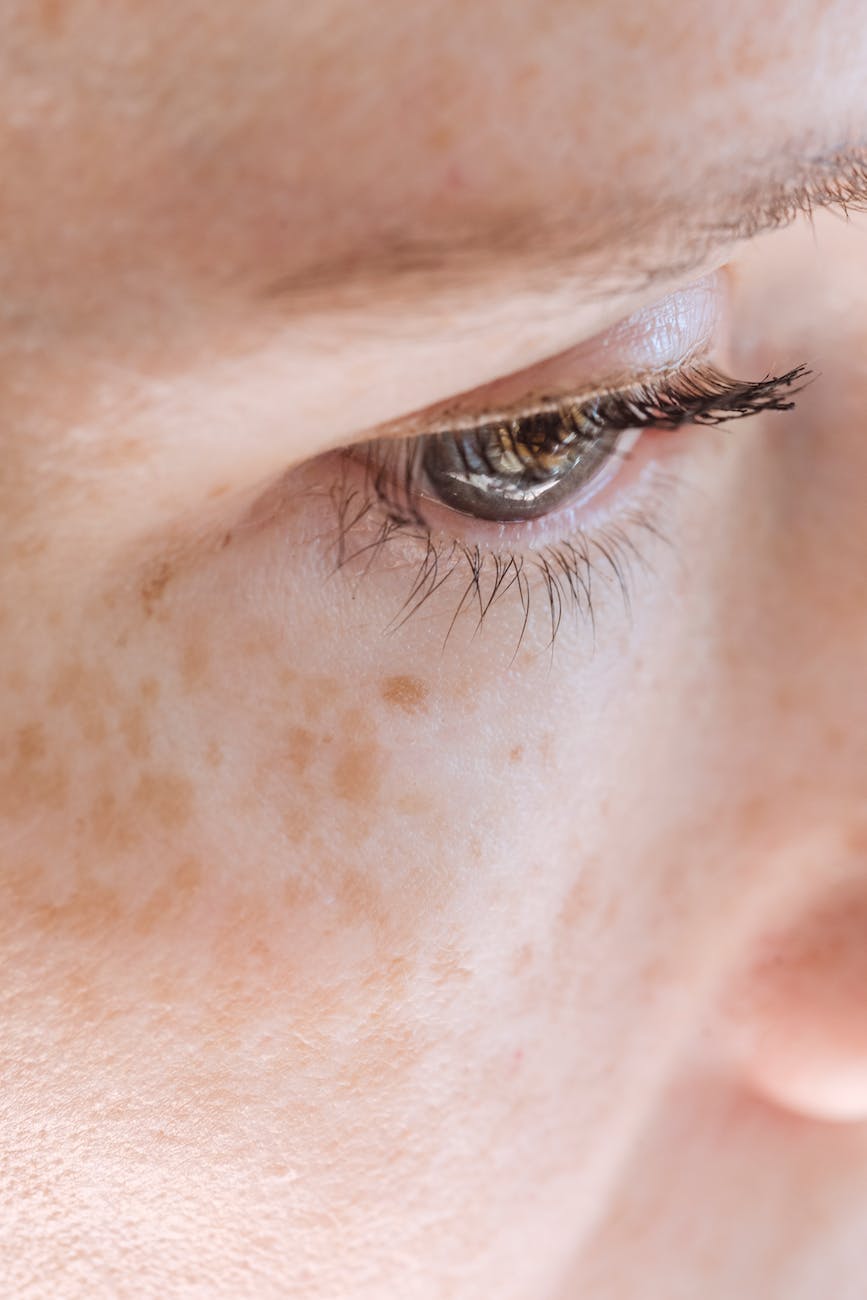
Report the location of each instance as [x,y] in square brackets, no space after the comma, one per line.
[698,394]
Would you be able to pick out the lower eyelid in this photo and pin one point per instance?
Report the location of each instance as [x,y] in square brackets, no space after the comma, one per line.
[565,566]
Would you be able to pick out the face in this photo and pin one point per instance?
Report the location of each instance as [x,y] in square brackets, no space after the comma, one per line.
[432,806]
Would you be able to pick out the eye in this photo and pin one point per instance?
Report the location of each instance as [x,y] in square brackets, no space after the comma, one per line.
[511,469]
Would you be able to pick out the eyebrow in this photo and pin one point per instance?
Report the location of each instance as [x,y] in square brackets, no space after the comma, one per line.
[646,241]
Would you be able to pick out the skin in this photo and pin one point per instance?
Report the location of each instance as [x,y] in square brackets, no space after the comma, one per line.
[343,963]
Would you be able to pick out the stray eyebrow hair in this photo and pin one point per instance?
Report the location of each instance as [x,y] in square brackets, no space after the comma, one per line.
[651,240]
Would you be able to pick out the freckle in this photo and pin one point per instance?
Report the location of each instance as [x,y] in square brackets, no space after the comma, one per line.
[300,749]
[857,843]
[296,892]
[441,137]
[297,823]
[33,787]
[94,911]
[154,586]
[835,738]
[107,826]
[406,693]
[167,797]
[755,814]
[523,959]
[135,731]
[415,804]
[516,753]
[51,16]
[68,683]
[612,911]
[357,775]
[787,699]
[194,661]
[31,742]
[149,689]
[360,900]
[213,754]
[357,722]
[448,967]
[173,896]
[218,490]
[580,900]
[226,540]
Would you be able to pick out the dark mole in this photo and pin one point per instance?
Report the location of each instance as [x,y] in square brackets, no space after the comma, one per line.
[406,693]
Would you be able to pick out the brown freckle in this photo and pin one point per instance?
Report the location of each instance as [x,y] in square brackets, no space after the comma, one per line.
[107,826]
[218,490]
[581,899]
[297,823]
[415,804]
[406,693]
[755,814]
[31,742]
[300,749]
[356,722]
[857,843]
[68,684]
[172,898]
[33,787]
[135,732]
[167,797]
[226,540]
[357,774]
[835,738]
[523,959]
[213,754]
[149,689]
[360,900]
[154,586]
[448,968]
[516,753]
[94,910]
[194,661]
[51,16]
[28,549]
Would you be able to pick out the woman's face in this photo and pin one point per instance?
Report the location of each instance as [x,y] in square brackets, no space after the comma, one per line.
[398,901]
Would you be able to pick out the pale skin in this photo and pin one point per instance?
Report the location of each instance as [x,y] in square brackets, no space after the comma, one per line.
[347,959]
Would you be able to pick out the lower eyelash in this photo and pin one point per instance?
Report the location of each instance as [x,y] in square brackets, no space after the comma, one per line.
[564,577]
[562,574]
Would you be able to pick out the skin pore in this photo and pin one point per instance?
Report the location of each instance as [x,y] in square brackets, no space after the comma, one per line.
[348,956]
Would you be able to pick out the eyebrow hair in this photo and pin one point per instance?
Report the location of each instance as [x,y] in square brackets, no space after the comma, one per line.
[394,264]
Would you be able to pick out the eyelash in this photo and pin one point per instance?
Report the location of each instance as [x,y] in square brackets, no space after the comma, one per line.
[378,490]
